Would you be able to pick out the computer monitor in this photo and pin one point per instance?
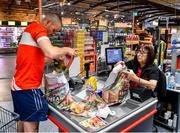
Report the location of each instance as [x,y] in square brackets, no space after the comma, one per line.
[113,55]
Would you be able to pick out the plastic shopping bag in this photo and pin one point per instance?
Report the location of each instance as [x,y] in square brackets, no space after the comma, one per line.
[57,87]
[118,91]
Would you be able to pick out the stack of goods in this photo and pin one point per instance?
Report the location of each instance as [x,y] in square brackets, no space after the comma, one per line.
[68,38]
[88,39]
[56,40]
[89,50]
[79,40]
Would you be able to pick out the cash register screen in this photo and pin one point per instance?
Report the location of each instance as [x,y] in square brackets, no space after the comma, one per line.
[113,55]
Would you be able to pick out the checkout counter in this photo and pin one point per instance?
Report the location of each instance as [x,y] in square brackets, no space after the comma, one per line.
[130,115]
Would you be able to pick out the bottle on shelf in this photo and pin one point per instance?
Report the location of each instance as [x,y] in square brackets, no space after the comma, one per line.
[173,45]
[174,121]
[171,82]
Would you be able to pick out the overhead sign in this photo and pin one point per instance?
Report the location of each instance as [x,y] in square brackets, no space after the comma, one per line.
[132,39]
[172,22]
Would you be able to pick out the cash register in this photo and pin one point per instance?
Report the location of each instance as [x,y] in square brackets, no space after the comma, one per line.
[141,94]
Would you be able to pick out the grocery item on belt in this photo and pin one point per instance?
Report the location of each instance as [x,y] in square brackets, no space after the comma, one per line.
[91,83]
[94,123]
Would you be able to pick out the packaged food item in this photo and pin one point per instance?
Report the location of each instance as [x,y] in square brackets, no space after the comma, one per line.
[93,123]
[92,83]
[77,107]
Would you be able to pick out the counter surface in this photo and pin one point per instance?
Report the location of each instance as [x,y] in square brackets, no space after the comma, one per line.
[126,113]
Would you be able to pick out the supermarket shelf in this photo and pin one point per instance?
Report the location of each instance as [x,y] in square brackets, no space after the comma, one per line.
[163,124]
[89,49]
[89,54]
[88,44]
[6,35]
[6,32]
[85,49]
[7,50]
[89,60]
[164,34]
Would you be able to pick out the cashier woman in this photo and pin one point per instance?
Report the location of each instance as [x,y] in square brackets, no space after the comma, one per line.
[143,72]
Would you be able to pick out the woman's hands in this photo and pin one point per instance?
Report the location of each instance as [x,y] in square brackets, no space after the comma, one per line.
[150,84]
[121,63]
[119,67]
[131,75]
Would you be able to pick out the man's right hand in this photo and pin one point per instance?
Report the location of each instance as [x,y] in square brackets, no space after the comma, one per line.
[69,51]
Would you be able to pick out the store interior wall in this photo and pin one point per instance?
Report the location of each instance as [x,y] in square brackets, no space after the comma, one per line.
[24,17]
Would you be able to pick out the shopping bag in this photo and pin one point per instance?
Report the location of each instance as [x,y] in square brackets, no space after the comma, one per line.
[57,87]
[117,92]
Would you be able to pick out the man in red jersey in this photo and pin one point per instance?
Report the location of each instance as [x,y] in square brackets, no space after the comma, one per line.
[34,47]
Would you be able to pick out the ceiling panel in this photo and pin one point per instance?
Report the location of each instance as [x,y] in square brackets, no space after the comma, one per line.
[85,9]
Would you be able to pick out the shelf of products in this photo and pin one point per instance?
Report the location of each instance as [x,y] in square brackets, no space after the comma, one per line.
[9,35]
[162,35]
[86,49]
[6,36]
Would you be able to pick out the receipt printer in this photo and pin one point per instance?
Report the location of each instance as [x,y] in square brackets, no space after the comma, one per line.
[140,94]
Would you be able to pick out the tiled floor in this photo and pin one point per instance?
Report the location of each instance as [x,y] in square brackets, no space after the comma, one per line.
[46,126]
[7,67]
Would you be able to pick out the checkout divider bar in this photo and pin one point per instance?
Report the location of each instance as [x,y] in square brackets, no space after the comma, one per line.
[136,123]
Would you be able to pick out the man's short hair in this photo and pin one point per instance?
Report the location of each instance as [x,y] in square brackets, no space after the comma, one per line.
[51,16]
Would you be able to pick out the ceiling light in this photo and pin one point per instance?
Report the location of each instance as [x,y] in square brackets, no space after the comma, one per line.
[77,13]
[61,4]
[68,3]
[107,15]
